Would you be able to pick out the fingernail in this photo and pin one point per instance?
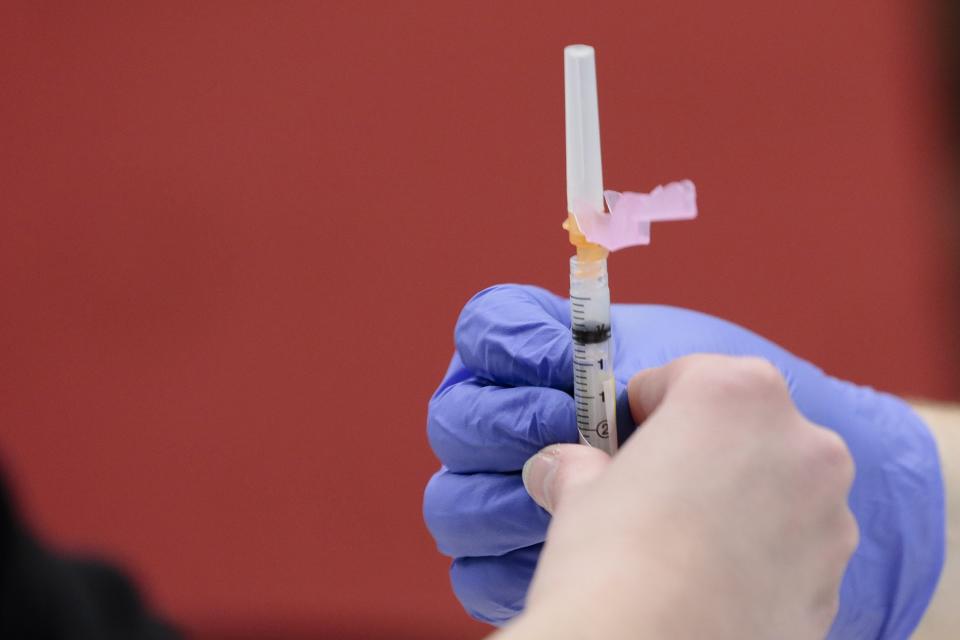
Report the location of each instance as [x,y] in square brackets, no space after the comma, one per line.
[537,474]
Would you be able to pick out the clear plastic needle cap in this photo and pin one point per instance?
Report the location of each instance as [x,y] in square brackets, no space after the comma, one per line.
[584,170]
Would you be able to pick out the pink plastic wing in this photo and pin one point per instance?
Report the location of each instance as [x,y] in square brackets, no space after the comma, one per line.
[628,223]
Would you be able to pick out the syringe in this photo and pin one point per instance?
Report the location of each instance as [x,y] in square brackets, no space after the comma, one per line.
[594,385]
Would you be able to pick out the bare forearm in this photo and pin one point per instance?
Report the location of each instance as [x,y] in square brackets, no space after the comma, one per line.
[943,617]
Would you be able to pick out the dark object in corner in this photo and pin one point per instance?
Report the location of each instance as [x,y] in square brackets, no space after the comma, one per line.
[48,596]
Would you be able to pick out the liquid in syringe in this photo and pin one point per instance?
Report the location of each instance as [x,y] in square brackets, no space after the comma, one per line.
[593,382]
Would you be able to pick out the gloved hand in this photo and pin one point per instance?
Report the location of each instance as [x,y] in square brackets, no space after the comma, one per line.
[507,394]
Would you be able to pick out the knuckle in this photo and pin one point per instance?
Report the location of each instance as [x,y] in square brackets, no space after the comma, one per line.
[481,600]
[828,607]
[851,534]
[467,315]
[430,502]
[475,309]
[760,374]
[841,539]
[481,298]
[434,411]
[438,419]
[831,454]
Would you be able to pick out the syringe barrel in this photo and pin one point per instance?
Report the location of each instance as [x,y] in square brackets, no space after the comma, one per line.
[594,383]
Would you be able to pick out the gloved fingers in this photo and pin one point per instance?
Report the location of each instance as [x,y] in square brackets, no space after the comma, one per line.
[481,514]
[456,372]
[494,589]
[476,427]
[517,335]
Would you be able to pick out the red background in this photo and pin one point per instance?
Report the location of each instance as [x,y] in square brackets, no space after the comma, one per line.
[234,239]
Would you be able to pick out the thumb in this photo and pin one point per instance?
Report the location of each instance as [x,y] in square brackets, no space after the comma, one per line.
[556,471]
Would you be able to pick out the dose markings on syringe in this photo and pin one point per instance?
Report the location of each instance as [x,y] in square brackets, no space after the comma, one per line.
[588,383]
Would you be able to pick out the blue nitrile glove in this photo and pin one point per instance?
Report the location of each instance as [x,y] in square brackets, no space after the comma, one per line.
[507,394]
